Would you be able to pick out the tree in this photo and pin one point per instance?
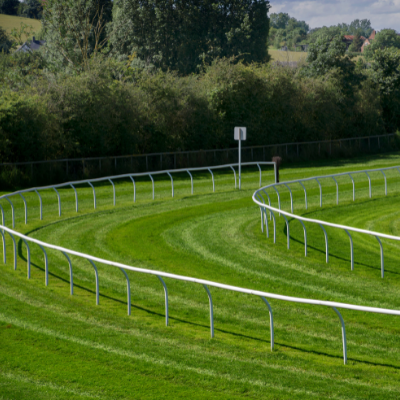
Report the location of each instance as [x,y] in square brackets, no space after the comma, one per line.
[386,74]
[74,30]
[5,41]
[279,21]
[357,42]
[384,39]
[327,57]
[9,7]
[31,9]
[362,27]
[181,35]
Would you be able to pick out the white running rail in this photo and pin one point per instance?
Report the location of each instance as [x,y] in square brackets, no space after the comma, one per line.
[160,275]
[260,200]
[110,179]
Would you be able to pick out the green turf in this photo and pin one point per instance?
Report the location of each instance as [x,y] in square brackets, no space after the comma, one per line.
[53,345]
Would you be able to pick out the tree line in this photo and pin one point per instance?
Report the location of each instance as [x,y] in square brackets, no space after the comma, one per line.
[129,76]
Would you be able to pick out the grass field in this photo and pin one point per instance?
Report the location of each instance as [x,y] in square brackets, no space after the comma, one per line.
[287,56]
[57,346]
[8,22]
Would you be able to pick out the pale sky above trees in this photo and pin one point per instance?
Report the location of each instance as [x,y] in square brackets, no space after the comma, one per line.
[317,13]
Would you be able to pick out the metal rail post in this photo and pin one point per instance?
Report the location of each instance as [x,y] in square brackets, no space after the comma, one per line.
[112,183]
[46,266]
[12,211]
[191,179]
[96,273]
[337,190]
[76,198]
[172,183]
[382,258]
[344,341]
[351,250]
[369,183]
[211,311]
[71,278]
[25,207]
[59,201]
[128,291]
[354,188]
[305,238]
[41,204]
[28,259]
[291,197]
[4,246]
[271,321]
[2,214]
[326,243]
[166,300]
[305,195]
[134,189]
[94,194]
[384,176]
[320,192]
[279,198]
[152,182]
[213,181]
[234,172]
[258,165]
[14,250]
[287,231]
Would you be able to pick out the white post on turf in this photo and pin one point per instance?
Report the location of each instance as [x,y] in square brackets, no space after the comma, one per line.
[240,134]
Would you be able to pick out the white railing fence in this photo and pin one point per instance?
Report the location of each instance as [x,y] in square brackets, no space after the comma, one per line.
[111,179]
[160,275]
[261,197]
[28,241]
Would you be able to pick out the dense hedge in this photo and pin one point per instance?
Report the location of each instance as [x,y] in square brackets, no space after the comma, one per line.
[114,111]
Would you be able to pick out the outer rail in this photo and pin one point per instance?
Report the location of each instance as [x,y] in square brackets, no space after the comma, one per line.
[205,283]
[110,179]
[258,195]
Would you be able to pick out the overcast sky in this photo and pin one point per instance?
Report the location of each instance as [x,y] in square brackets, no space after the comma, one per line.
[317,13]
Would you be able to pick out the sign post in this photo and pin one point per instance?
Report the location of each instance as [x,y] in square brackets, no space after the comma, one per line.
[240,134]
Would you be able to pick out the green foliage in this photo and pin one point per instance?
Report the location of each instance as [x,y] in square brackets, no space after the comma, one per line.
[386,74]
[31,9]
[74,30]
[326,55]
[114,109]
[286,31]
[383,39]
[184,35]
[5,41]
[24,31]
[9,7]
[355,47]
[362,27]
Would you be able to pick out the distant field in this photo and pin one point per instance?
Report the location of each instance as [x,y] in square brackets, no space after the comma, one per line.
[288,56]
[8,22]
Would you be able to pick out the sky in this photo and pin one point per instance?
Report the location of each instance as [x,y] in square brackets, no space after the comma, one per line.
[382,13]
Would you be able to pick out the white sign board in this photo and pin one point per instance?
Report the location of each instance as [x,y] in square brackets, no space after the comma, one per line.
[240,133]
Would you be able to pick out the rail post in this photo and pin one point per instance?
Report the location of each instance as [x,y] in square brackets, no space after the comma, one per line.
[344,341]
[211,310]
[166,300]
[351,250]
[96,273]
[71,278]
[271,321]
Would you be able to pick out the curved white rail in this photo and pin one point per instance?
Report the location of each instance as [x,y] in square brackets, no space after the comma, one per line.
[205,283]
[258,195]
[113,178]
